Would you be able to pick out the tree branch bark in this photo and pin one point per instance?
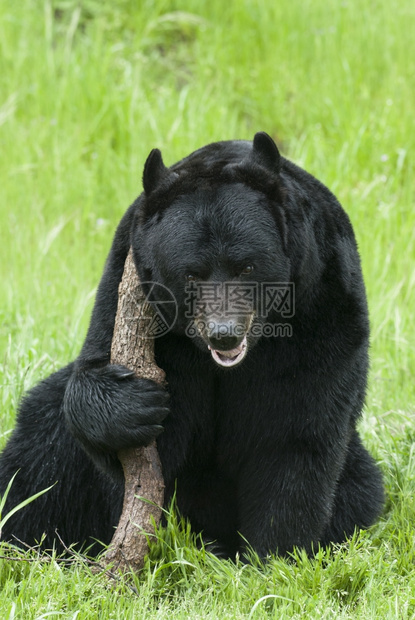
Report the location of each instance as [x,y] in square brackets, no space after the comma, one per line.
[142,467]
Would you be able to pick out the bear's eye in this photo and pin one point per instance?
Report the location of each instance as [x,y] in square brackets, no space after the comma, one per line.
[247,270]
[190,277]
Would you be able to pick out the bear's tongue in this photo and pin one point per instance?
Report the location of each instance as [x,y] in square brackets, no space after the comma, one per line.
[232,357]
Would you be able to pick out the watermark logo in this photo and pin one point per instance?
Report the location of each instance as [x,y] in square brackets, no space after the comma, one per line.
[234,303]
[158,311]
[279,297]
[258,330]
[239,299]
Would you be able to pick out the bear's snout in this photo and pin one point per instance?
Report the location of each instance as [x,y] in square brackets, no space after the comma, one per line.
[225,335]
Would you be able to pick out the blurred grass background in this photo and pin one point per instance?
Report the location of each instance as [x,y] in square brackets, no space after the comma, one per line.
[88,88]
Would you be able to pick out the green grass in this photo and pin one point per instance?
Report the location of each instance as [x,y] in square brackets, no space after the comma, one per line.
[87,88]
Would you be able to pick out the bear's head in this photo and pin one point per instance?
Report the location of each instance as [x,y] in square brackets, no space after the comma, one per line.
[211,230]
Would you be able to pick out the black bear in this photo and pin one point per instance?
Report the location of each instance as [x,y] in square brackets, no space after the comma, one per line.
[265,350]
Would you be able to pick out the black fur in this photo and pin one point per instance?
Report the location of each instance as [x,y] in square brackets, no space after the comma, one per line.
[265,451]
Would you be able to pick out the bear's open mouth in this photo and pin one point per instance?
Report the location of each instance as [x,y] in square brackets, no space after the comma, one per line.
[232,357]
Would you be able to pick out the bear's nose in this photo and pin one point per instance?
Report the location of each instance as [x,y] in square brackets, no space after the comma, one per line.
[222,336]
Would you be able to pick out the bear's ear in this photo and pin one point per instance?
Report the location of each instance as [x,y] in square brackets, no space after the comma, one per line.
[155,171]
[265,152]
